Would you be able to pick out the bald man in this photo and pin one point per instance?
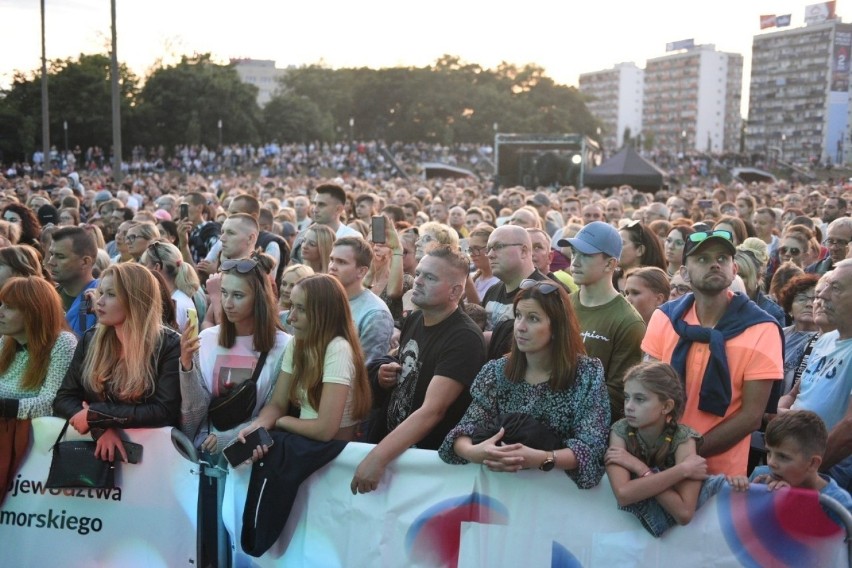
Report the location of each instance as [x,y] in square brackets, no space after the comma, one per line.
[510,256]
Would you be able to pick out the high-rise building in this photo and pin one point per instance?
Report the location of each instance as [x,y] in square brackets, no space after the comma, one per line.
[614,97]
[692,101]
[798,108]
[262,73]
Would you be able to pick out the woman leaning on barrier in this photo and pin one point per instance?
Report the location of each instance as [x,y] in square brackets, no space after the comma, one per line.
[125,370]
[35,348]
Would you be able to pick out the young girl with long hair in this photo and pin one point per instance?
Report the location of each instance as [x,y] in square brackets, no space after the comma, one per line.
[125,370]
[316,248]
[652,461]
[223,356]
[35,347]
[181,280]
[322,371]
[291,276]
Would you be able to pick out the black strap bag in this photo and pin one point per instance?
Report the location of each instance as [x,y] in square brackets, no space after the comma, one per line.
[519,428]
[230,410]
[74,465]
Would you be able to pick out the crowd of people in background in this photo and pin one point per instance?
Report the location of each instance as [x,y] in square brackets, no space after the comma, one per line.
[651,336]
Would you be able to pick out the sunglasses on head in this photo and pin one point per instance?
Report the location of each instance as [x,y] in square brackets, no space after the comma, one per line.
[152,249]
[543,286]
[704,235]
[243,265]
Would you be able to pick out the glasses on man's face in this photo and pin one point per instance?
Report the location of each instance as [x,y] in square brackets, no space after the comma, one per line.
[476,251]
[831,243]
[131,238]
[792,251]
[497,247]
[242,265]
[681,289]
[543,286]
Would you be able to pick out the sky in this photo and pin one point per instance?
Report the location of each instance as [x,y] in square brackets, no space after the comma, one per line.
[566,38]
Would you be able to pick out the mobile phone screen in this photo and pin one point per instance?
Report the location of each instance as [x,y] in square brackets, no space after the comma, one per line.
[236,452]
[379,228]
[191,323]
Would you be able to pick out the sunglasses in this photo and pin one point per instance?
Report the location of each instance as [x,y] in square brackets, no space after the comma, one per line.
[704,235]
[792,250]
[152,249]
[543,286]
[243,265]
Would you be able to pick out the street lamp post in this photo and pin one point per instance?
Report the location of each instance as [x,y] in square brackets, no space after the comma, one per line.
[219,124]
[65,128]
[783,139]
[351,129]
[683,142]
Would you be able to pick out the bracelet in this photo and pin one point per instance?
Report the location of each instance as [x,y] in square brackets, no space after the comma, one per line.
[647,473]
[398,254]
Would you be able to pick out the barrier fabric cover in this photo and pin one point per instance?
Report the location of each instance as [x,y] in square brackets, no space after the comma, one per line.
[427,513]
[147,520]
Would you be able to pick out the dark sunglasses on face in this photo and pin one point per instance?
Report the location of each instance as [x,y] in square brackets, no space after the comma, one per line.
[792,250]
[243,265]
[544,286]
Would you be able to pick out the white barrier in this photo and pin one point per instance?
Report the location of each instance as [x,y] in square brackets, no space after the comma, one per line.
[427,513]
[148,520]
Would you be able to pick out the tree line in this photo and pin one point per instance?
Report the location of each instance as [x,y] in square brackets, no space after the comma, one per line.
[450,101]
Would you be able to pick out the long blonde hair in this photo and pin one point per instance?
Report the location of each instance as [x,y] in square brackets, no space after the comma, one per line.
[328,314]
[123,368]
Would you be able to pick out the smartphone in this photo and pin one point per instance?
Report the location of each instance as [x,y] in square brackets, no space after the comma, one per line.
[90,304]
[705,203]
[184,211]
[191,323]
[134,451]
[379,228]
[464,246]
[237,453]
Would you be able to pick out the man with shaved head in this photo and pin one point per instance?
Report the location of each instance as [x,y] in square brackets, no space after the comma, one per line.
[510,256]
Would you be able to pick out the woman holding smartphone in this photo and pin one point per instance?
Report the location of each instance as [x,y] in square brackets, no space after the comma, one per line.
[322,370]
[221,357]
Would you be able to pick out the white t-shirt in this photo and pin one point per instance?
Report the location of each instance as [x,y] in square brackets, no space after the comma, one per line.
[220,366]
[338,367]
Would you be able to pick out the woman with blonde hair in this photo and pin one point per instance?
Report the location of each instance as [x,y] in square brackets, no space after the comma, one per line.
[181,279]
[316,248]
[291,276]
[433,234]
[35,347]
[798,245]
[139,236]
[323,370]
[124,373]
[751,258]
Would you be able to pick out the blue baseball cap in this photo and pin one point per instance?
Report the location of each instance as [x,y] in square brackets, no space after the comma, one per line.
[594,238]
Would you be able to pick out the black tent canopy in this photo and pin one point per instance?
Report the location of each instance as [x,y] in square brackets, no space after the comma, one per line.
[627,167]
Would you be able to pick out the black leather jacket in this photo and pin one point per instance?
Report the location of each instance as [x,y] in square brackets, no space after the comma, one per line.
[160,408]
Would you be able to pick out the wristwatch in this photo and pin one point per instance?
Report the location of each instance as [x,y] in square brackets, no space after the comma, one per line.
[549,462]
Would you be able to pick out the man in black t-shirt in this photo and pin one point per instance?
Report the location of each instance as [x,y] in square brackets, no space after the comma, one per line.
[510,255]
[441,352]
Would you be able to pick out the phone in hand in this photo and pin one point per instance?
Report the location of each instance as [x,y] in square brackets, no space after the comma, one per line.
[378,228]
[184,211]
[237,452]
[191,323]
[134,451]
[90,304]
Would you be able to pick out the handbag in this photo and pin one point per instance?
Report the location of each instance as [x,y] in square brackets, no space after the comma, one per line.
[74,465]
[230,410]
[519,429]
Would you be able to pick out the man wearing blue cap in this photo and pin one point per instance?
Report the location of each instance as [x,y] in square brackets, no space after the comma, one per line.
[612,329]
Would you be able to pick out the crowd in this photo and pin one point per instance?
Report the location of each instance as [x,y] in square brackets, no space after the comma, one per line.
[649,336]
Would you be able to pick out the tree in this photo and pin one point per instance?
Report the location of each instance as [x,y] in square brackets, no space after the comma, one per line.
[78,91]
[292,118]
[183,104]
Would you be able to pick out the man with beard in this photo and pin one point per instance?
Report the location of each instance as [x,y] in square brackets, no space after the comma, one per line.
[726,349]
[441,351]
